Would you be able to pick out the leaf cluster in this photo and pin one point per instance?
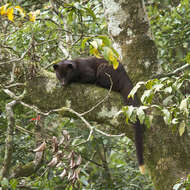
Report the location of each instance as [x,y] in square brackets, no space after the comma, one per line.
[170,27]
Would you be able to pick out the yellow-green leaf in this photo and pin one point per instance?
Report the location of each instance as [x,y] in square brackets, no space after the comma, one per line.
[84,42]
[128,110]
[94,44]
[10,15]
[21,11]
[181,128]
[106,40]
[99,42]
[95,52]
[150,83]
[184,105]
[141,114]
[167,116]
[3,9]
[115,64]
[111,55]
[32,15]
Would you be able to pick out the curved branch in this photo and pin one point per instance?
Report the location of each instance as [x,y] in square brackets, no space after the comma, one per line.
[175,72]
[22,56]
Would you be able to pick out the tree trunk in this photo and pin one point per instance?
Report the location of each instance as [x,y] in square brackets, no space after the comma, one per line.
[166,154]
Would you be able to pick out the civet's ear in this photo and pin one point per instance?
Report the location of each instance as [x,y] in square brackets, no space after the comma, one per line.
[55,66]
[70,64]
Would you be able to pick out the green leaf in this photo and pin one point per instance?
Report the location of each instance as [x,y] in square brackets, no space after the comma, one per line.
[13,183]
[177,186]
[128,110]
[150,83]
[140,114]
[99,42]
[106,52]
[116,53]
[147,96]
[187,58]
[183,105]
[77,5]
[168,89]
[181,128]
[94,44]
[177,84]
[84,181]
[157,87]
[106,40]
[70,16]
[135,88]
[5,182]
[167,116]
[148,120]
[168,100]
[90,13]
[84,42]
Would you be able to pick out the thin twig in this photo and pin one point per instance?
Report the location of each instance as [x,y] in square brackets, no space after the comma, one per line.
[36,109]
[73,112]
[12,95]
[51,64]
[109,135]
[44,42]
[23,55]
[106,97]
[175,72]
[15,85]
[91,160]
[25,130]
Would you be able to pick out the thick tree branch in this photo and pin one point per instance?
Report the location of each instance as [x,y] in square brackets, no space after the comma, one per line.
[44,91]
[46,88]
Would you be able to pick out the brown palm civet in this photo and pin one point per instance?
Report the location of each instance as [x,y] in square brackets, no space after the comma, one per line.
[93,70]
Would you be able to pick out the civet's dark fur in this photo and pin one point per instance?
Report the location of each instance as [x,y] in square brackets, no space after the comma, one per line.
[92,70]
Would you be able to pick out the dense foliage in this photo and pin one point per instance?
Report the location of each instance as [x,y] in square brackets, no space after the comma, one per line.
[170,88]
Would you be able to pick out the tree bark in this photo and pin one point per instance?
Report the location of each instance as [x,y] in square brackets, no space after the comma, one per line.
[166,153]
[46,88]
[129,27]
